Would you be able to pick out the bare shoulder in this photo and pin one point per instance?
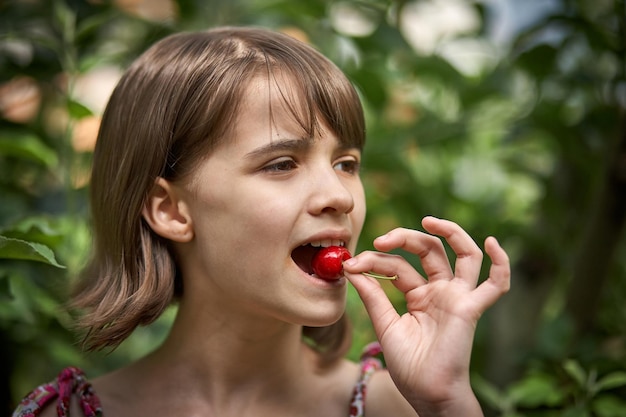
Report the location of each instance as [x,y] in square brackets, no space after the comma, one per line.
[383,398]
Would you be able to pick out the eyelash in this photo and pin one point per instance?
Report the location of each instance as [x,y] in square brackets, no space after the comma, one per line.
[282,165]
[350,166]
[353,166]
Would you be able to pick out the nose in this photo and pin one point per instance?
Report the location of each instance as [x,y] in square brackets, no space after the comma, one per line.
[329,193]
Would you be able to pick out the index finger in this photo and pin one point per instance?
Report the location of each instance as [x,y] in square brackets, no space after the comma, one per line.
[429,248]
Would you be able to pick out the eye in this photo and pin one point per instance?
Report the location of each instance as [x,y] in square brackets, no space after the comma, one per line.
[281,165]
[350,166]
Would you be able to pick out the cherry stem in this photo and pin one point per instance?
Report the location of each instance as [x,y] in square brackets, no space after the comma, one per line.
[379,276]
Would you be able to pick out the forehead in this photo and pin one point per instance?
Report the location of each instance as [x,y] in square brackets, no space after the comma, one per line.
[274,104]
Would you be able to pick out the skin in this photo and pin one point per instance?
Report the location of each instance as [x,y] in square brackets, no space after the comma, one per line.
[428,348]
[235,347]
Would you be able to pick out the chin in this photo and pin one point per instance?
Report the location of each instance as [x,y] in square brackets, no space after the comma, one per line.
[326,318]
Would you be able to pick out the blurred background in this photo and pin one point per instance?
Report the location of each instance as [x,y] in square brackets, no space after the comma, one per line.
[506,116]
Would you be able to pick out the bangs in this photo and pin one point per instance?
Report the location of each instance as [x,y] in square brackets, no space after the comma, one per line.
[319,93]
[315,101]
[216,67]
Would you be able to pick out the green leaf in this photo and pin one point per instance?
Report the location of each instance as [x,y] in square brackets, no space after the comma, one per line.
[27,146]
[77,110]
[35,229]
[536,390]
[576,371]
[608,406]
[11,248]
[64,16]
[612,380]
[90,25]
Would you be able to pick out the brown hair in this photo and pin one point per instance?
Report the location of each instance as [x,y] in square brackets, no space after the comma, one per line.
[171,107]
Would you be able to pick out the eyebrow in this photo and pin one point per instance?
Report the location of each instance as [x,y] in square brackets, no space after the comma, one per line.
[293,145]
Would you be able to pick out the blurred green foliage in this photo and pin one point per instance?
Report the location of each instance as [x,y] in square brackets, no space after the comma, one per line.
[525,140]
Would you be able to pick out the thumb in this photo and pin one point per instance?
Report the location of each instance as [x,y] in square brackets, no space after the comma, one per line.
[378,306]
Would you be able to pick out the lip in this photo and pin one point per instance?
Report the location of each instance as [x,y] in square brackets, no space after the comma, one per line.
[342,235]
[322,283]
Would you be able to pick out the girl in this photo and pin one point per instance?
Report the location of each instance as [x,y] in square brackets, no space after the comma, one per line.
[225,160]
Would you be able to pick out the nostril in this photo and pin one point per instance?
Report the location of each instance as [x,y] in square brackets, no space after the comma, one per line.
[339,201]
[340,207]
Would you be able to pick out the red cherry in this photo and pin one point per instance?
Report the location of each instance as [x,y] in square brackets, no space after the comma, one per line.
[328,262]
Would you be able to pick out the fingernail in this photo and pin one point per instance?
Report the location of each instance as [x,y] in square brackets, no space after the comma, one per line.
[350,262]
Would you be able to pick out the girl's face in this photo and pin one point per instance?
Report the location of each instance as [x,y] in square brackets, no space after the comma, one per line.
[257,203]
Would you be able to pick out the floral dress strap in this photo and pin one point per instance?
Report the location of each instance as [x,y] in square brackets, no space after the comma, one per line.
[71,381]
[369,364]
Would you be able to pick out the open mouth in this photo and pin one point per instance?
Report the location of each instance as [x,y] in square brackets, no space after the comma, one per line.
[303,255]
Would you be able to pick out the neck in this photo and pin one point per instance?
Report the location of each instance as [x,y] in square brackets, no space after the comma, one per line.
[217,363]
[225,354]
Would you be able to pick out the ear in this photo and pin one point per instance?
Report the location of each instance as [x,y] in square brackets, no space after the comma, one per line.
[166,213]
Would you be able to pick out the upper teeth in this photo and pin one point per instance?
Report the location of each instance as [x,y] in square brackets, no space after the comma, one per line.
[326,243]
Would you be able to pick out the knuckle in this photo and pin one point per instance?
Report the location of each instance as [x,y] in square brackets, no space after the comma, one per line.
[505,286]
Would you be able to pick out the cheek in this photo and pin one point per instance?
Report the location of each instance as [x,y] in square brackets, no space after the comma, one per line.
[269,208]
[236,239]
[245,213]
[357,216]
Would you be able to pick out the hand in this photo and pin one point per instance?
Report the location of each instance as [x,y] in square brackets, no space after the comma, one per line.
[427,350]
